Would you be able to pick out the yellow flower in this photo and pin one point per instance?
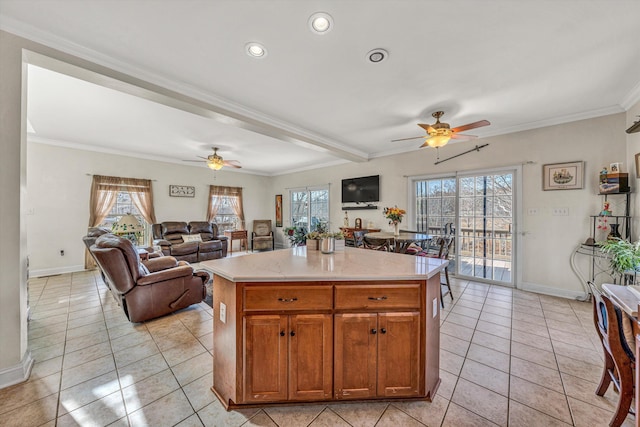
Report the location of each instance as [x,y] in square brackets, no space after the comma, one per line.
[394,214]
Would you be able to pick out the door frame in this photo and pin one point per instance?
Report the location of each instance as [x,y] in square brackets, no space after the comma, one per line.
[517,232]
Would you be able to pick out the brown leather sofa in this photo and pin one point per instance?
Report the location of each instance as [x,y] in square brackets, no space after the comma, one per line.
[160,286]
[169,235]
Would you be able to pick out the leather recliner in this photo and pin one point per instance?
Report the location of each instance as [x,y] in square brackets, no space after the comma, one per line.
[160,286]
[171,236]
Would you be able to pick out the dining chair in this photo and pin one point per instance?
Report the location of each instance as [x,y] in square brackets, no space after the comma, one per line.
[444,247]
[619,360]
[358,238]
[376,244]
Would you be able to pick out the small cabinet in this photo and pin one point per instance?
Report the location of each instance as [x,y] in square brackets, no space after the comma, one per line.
[377,355]
[288,357]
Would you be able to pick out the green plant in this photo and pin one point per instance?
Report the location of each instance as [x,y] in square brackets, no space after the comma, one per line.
[296,235]
[625,256]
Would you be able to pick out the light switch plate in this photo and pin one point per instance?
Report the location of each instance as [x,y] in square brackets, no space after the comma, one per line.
[223,312]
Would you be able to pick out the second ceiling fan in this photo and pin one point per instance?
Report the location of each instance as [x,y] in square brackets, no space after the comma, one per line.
[216,162]
[439,134]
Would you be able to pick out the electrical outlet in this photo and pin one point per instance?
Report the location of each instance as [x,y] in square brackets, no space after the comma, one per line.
[223,312]
[560,212]
[61,252]
[532,211]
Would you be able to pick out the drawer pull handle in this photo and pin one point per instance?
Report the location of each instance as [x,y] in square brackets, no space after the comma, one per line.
[287,299]
[377,298]
[374,331]
[383,331]
[281,333]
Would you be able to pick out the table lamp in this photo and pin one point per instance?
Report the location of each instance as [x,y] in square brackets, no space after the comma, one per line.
[128,226]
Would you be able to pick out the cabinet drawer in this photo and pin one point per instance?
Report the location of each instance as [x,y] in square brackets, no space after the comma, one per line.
[358,297]
[279,298]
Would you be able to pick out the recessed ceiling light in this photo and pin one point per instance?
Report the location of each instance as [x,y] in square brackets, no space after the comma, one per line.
[255,50]
[321,23]
[377,55]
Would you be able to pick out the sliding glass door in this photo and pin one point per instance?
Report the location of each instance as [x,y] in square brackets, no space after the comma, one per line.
[478,209]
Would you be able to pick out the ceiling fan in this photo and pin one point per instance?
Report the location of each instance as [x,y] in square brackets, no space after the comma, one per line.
[216,162]
[438,134]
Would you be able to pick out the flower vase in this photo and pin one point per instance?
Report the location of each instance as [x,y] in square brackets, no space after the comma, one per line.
[396,229]
[614,233]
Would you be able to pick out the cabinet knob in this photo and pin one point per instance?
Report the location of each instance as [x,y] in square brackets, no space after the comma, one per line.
[281,333]
[377,298]
[383,331]
[288,299]
[293,334]
[374,331]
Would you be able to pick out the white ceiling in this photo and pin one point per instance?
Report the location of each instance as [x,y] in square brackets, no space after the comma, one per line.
[314,99]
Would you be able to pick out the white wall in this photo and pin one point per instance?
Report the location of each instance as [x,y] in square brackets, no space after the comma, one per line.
[549,240]
[59,183]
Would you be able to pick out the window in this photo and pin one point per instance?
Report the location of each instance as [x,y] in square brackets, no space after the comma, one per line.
[123,206]
[310,208]
[225,208]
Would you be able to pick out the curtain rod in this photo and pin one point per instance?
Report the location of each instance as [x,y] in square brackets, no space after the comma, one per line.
[308,186]
[91,174]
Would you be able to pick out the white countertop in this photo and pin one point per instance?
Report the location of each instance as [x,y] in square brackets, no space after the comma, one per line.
[296,264]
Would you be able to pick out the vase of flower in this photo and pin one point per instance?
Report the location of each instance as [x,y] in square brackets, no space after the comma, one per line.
[394,215]
[614,233]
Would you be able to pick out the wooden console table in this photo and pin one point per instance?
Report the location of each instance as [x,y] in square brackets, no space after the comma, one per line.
[237,235]
[348,231]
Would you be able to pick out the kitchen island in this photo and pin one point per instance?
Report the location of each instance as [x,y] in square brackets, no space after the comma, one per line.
[298,326]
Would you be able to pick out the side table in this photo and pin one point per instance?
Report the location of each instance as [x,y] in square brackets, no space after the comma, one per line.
[237,235]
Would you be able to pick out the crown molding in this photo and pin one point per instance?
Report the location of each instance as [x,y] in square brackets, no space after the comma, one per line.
[632,98]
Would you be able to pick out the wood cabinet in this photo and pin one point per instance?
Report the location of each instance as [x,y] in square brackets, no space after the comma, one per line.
[322,341]
[288,357]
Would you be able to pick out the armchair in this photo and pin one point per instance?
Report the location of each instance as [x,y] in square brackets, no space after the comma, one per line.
[160,286]
[262,235]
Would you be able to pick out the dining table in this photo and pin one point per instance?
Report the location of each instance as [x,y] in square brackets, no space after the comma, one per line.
[401,241]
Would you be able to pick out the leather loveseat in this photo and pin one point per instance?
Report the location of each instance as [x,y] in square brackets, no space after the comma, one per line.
[180,240]
[145,291]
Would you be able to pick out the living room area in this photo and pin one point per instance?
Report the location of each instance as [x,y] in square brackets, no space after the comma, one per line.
[517,340]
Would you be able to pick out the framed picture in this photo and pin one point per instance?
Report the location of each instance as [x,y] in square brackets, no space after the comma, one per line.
[182,191]
[615,167]
[563,176]
[278,210]
[638,165]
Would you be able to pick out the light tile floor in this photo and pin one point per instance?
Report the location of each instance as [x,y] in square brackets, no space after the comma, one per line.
[508,358]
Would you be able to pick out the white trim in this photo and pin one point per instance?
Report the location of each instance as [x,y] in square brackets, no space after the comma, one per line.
[17,373]
[56,270]
[548,290]
[632,98]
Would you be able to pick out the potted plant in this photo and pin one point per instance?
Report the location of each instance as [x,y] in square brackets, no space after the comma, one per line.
[296,235]
[625,256]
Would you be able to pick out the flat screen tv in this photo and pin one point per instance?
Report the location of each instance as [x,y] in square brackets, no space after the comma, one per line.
[361,190]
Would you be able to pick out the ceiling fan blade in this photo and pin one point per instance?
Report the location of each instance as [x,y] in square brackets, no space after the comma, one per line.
[473,125]
[462,137]
[426,144]
[199,161]
[406,139]
[428,128]
[232,165]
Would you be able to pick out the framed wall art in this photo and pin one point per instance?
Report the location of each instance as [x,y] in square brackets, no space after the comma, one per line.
[638,165]
[278,210]
[563,176]
[182,191]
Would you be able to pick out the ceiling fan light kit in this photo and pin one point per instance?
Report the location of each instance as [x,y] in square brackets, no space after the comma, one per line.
[216,162]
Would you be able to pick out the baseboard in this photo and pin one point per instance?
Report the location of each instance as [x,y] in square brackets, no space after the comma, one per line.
[548,290]
[53,271]
[18,373]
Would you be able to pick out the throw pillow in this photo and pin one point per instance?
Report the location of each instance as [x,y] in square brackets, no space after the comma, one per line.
[191,238]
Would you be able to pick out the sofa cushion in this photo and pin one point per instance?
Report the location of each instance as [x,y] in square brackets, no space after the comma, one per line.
[184,249]
[211,246]
[173,231]
[191,238]
[204,229]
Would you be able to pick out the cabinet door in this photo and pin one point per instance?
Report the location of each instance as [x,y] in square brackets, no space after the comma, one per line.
[398,354]
[265,357]
[310,356]
[355,355]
